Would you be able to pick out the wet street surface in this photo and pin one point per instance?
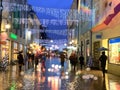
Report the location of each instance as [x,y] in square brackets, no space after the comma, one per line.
[54,77]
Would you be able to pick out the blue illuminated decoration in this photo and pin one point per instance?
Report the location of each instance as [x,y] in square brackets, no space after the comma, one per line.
[115,40]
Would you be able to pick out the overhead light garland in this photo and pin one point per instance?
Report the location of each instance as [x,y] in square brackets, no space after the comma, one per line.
[58,32]
[57,13]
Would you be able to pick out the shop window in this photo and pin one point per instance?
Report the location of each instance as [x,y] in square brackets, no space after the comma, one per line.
[21,47]
[114,50]
[5,49]
[15,50]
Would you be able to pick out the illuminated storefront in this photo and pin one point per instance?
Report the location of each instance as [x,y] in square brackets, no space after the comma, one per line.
[21,47]
[109,27]
[15,50]
[114,53]
[5,48]
[87,48]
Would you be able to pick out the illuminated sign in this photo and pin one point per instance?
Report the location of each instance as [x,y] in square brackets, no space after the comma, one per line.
[13,36]
[99,36]
[115,40]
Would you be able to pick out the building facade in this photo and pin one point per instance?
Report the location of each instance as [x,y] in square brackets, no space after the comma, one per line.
[108,30]
[85,22]
[33,27]
[72,23]
[16,13]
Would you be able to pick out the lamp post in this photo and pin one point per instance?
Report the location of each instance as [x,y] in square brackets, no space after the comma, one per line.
[1,7]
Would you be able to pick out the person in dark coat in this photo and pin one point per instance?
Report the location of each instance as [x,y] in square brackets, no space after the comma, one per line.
[32,59]
[29,59]
[62,58]
[103,59]
[20,60]
[73,59]
[81,58]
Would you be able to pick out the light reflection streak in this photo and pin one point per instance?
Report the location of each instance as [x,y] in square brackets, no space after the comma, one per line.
[53,82]
[106,82]
[38,81]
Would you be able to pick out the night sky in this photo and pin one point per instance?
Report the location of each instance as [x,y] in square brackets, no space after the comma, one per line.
[48,18]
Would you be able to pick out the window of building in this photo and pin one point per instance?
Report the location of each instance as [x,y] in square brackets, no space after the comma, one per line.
[84,2]
[114,50]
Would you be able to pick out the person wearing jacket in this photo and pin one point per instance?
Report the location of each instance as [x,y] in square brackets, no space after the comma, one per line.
[62,58]
[73,59]
[20,61]
[103,59]
[81,59]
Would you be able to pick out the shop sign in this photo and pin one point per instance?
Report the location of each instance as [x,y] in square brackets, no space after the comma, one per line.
[98,36]
[13,36]
[114,40]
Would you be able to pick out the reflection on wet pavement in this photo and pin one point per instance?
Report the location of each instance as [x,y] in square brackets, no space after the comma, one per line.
[56,78]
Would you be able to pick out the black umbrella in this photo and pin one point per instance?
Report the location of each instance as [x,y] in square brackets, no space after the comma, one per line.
[103,49]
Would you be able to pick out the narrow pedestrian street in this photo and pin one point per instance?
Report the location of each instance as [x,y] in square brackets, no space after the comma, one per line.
[54,77]
[59,44]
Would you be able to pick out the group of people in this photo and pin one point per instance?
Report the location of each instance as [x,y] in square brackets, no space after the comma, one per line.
[74,61]
[32,59]
[72,58]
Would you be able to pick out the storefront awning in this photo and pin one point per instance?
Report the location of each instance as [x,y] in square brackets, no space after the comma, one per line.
[3,42]
[111,20]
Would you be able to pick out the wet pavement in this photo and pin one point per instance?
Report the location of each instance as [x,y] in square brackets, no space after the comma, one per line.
[54,77]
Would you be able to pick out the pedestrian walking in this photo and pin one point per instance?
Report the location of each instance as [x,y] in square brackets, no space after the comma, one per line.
[20,61]
[81,59]
[29,59]
[62,59]
[32,59]
[43,60]
[73,59]
[103,59]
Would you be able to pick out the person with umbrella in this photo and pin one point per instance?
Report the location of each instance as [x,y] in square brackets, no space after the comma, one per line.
[103,49]
[103,59]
